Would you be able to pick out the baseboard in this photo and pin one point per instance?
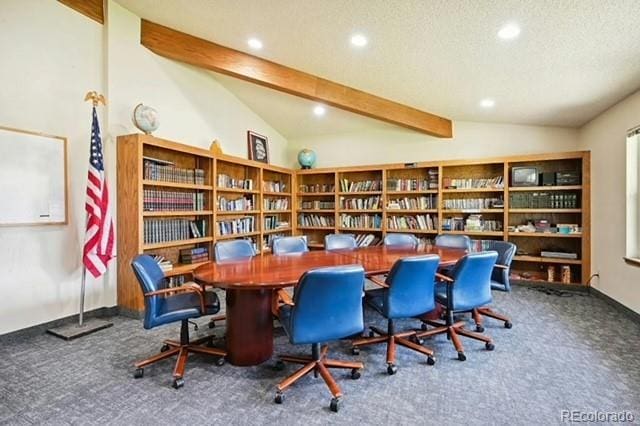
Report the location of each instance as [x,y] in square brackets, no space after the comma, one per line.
[41,328]
[130,313]
[633,315]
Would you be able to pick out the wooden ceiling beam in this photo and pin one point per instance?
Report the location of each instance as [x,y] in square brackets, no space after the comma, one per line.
[93,9]
[192,50]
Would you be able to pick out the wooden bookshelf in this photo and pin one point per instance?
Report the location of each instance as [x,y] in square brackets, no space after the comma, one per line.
[529,243]
[269,182]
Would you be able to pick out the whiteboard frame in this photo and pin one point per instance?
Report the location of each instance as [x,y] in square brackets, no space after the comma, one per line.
[56,139]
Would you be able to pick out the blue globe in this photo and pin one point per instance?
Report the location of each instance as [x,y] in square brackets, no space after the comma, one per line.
[306,158]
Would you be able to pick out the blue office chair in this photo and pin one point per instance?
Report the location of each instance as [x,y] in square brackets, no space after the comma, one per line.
[289,245]
[453,241]
[339,241]
[407,292]
[327,305]
[469,288]
[164,305]
[499,280]
[401,240]
[227,251]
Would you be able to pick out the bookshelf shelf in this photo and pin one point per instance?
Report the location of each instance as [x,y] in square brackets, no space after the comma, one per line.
[413,231]
[342,228]
[330,228]
[276,194]
[233,236]
[444,211]
[463,190]
[360,210]
[545,210]
[361,193]
[315,194]
[237,190]
[543,235]
[177,243]
[316,245]
[316,211]
[540,259]
[545,188]
[275,231]
[178,213]
[275,211]
[236,212]
[182,268]
[177,185]
[400,211]
[426,191]
[476,233]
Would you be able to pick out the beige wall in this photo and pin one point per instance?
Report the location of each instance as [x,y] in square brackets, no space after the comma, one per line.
[605,136]
[471,140]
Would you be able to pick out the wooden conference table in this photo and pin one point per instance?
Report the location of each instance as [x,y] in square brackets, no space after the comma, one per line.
[250,283]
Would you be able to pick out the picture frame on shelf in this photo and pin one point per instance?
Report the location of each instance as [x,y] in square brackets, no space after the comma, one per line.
[258,147]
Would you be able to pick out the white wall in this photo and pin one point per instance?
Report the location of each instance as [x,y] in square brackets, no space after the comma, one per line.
[52,57]
[471,140]
[605,136]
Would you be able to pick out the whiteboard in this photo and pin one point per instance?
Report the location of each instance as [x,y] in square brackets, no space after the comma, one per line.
[33,178]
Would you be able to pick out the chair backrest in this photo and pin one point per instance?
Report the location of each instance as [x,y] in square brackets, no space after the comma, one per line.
[411,287]
[328,304]
[290,245]
[401,240]
[453,241]
[506,251]
[472,280]
[339,241]
[151,278]
[233,249]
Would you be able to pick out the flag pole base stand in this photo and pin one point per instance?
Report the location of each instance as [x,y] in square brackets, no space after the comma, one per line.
[73,331]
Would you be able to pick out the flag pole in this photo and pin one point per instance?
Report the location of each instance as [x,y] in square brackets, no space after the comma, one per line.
[69,332]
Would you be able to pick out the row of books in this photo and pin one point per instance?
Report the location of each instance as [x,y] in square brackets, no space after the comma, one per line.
[276,204]
[194,255]
[164,171]
[365,185]
[416,203]
[273,186]
[424,222]
[317,205]
[159,200]
[164,230]
[241,225]
[317,187]
[544,200]
[473,203]
[414,184]
[361,203]
[245,203]
[163,263]
[226,181]
[315,220]
[369,221]
[274,222]
[474,222]
[495,182]
[368,240]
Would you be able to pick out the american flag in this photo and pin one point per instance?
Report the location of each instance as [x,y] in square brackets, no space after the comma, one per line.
[99,241]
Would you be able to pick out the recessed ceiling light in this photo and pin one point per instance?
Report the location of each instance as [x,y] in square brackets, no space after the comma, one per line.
[255,43]
[359,40]
[487,103]
[509,31]
[319,110]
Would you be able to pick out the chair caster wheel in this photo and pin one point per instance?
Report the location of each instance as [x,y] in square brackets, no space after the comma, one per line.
[479,328]
[279,399]
[372,334]
[212,324]
[335,405]
[416,340]
[431,360]
[462,356]
[489,346]
[178,382]
[423,327]
[392,369]
[139,373]
[220,361]
[507,324]
[195,327]
[164,348]
[355,374]
[355,350]
[279,365]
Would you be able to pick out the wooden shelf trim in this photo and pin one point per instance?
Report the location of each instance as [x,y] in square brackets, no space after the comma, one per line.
[445,211]
[182,268]
[544,235]
[237,190]
[177,243]
[360,210]
[416,211]
[278,194]
[545,210]
[275,231]
[147,182]
[425,191]
[236,212]
[315,194]
[233,236]
[458,190]
[545,188]
[540,259]
[165,213]
[413,231]
[487,233]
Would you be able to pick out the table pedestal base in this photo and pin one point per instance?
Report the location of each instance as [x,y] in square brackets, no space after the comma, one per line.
[249,326]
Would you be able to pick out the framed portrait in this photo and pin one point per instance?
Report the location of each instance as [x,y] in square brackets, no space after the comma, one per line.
[258,147]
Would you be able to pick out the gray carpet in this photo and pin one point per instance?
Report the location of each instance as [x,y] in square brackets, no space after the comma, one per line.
[573,353]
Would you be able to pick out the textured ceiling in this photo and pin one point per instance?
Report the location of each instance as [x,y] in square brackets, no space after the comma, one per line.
[573,59]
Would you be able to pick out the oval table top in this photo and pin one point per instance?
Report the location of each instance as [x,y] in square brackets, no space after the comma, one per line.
[272,272]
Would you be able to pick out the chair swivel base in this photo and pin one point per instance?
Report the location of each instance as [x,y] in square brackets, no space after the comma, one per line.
[182,350]
[488,312]
[454,331]
[392,340]
[318,363]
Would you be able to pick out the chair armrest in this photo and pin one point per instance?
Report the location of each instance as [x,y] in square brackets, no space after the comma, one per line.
[378,282]
[443,277]
[187,288]
[497,265]
[284,297]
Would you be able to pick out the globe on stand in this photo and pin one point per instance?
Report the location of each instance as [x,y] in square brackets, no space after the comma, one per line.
[306,158]
[145,118]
